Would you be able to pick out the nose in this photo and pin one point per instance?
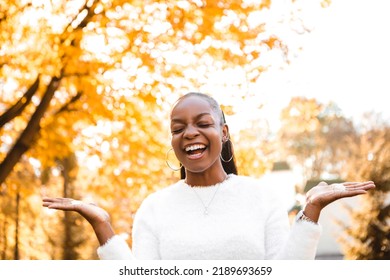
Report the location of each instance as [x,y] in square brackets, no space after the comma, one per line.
[191,132]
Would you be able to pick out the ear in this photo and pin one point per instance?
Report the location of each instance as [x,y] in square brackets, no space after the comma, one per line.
[225,133]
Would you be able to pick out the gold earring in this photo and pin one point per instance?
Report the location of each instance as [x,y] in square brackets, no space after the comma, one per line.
[169,165]
[224,142]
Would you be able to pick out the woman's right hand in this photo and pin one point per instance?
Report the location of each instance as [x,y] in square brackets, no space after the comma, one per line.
[96,216]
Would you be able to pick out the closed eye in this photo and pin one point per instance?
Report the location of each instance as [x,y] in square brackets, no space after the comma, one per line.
[175,131]
[204,125]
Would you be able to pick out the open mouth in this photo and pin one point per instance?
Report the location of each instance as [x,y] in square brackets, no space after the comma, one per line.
[195,151]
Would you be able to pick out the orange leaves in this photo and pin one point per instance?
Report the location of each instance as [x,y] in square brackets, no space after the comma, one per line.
[301,114]
[124,63]
[271,42]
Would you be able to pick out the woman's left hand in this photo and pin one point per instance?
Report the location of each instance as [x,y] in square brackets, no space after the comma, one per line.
[323,194]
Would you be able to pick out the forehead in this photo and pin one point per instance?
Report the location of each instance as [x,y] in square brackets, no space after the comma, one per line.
[191,107]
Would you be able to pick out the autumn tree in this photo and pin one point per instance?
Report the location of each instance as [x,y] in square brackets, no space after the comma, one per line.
[367,237]
[323,141]
[18,216]
[96,79]
[315,135]
[253,148]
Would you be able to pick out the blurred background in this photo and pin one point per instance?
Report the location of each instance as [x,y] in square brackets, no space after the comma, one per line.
[86,88]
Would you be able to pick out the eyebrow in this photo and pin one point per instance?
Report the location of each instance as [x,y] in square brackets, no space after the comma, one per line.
[178,120]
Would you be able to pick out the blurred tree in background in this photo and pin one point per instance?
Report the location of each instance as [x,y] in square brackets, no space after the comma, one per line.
[327,145]
[86,87]
[368,235]
[315,135]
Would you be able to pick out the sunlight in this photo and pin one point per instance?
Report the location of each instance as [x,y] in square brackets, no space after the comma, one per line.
[110,72]
[103,43]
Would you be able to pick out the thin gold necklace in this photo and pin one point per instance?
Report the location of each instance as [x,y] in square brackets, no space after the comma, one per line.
[206,207]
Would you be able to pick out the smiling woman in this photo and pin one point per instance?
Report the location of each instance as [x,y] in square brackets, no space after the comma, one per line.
[212,213]
[199,129]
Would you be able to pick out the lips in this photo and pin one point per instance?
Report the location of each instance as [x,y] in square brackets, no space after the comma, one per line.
[195,151]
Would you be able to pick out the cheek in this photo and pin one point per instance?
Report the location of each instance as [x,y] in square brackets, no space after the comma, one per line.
[175,142]
[216,139]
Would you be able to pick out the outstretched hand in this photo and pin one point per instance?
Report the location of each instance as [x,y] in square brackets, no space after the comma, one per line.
[96,216]
[90,211]
[323,194]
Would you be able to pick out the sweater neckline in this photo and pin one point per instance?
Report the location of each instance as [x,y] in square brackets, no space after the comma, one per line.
[228,178]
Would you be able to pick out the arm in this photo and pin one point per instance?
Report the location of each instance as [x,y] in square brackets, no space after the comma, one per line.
[96,216]
[112,247]
[284,241]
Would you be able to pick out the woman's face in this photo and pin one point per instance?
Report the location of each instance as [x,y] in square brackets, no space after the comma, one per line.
[196,134]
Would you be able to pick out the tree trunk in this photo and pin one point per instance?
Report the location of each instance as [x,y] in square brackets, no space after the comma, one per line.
[70,242]
[5,240]
[67,250]
[17,218]
[29,134]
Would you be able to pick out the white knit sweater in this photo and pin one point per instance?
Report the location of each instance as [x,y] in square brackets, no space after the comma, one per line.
[245,221]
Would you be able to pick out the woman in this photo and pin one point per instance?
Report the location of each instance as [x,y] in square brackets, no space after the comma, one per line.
[212,213]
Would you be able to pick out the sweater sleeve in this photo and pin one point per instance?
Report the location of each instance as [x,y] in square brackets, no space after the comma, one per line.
[115,248]
[145,243]
[298,242]
[302,241]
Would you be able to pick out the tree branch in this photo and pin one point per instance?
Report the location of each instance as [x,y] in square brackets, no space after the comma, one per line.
[66,106]
[16,109]
[90,12]
[27,137]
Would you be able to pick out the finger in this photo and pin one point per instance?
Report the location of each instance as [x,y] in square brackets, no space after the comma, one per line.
[47,199]
[61,203]
[361,186]
[352,193]
[55,199]
[62,206]
[358,183]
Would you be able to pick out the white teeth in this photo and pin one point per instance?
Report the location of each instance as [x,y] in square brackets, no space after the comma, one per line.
[194,147]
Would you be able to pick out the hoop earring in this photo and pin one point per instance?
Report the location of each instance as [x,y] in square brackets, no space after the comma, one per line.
[169,165]
[224,160]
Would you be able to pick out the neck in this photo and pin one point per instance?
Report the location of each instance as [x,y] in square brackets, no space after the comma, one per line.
[204,179]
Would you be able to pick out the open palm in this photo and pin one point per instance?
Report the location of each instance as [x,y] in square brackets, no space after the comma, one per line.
[324,194]
[91,212]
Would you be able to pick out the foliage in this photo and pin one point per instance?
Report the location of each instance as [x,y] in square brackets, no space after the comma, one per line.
[325,143]
[315,135]
[96,79]
[252,149]
[368,236]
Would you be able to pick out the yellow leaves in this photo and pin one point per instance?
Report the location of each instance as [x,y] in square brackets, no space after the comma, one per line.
[127,63]
[301,114]
[326,3]
[19,124]
[227,109]
[52,144]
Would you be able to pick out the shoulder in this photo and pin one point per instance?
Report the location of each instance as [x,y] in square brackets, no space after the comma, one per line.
[255,186]
[161,196]
[247,182]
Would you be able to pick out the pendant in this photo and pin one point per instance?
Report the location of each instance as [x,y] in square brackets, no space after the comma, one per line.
[206,212]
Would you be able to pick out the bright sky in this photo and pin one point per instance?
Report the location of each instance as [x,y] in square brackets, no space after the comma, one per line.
[346,58]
